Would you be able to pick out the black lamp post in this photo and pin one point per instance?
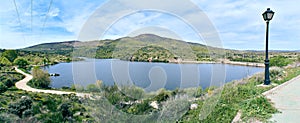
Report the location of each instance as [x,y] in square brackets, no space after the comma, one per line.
[268,15]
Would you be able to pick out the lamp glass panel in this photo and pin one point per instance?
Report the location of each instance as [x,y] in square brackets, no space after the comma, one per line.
[269,16]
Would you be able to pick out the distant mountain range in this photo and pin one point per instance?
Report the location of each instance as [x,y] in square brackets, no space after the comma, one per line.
[139,48]
[127,45]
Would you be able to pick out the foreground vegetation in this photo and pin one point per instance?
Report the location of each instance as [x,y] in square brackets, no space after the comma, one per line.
[8,78]
[245,96]
[20,106]
[119,105]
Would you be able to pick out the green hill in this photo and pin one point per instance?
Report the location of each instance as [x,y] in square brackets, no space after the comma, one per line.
[62,48]
[145,47]
[141,48]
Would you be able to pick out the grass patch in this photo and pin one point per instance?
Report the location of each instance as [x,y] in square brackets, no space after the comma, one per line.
[245,96]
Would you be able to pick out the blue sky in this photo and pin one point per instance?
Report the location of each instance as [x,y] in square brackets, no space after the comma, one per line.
[238,22]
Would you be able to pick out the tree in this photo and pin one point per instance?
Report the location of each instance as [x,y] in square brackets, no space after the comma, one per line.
[65,110]
[22,107]
[3,87]
[11,55]
[40,78]
[4,62]
[22,63]
[37,61]
[8,82]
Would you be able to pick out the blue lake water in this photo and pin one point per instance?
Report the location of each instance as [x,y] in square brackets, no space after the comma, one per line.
[150,76]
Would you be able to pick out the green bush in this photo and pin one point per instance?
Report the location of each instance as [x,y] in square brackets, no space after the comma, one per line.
[4,62]
[141,108]
[9,78]
[133,92]
[21,108]
[41,79]
[65,110]
[162,95]
[77,87]
[11,55]
[8,82]
[92,88]
[279,61]
[8,118]
[22,63]
[3,87]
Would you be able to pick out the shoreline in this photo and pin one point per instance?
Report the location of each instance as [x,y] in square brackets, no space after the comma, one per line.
[252,64]
[221,61]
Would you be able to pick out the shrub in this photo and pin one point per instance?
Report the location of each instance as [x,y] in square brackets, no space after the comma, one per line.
[22,107]
[65,110]
[133,92]
[4,62]
[22,63]
[141,108]
[77,87]
[276,74]
[279,61]
[41,78]
[92,88]
[199,92]
[3,87]
[174,108]
[163,95]
[11,55]
[8,82]
[7,118]
[99,84]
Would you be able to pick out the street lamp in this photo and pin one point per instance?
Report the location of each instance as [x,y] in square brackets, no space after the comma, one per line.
[268,15]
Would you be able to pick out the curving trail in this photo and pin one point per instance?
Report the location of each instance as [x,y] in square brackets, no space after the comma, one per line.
[22,84]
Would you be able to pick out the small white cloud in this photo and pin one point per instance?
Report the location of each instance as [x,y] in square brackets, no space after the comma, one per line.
[54,12]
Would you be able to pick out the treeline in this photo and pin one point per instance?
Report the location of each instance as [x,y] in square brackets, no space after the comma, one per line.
[24,58]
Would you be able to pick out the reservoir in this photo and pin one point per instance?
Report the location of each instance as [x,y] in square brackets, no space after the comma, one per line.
[150,76]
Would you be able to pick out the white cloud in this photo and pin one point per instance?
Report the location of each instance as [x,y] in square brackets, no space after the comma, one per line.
[239,23]
[242,19]
[54,12]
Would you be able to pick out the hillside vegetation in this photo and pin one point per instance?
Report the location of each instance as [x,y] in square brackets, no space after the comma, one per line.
[149,47]
[139,48]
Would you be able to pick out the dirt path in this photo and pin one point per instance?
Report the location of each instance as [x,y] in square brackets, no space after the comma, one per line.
[22,84]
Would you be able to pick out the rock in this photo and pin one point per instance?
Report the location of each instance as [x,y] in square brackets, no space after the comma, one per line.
[154,104]
[78,113]
[194,106]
